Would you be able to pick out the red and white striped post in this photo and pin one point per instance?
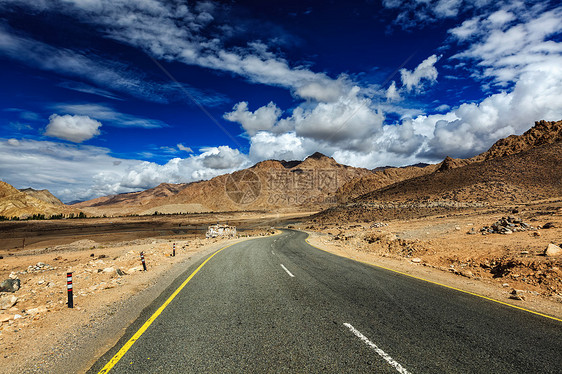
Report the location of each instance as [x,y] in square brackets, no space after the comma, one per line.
[142,260]
[69,289]
[174,251]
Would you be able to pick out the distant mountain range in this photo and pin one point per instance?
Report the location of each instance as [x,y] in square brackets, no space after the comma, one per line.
[514,170]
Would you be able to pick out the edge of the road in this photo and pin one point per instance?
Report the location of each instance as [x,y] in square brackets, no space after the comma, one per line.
[153,308]
[429,281]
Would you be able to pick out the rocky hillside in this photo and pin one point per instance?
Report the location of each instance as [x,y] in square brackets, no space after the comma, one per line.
[516,170]
[268,185]
[15,203]
[43,195]
[543,132]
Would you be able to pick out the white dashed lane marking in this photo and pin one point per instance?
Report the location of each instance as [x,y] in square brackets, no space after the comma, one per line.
[380,352]
[287,270]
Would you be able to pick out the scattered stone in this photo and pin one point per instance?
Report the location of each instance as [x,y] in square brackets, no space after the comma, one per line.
[549,225]
[40,282]
[136,268]
[39,310]
[552,250]
[472,231]
[516,295]
[17,316]
[524,252]
[10,285]
[416,260]
[5,318]
[505,285]
[120,272]
[108,270]
[536,234]
[378,224]
[8,301]
[467,273]
[506,226]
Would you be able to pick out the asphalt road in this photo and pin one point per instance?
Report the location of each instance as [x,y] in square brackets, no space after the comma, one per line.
[278,305]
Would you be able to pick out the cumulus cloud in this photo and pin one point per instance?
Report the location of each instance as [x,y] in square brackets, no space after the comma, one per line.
[425,72]
[350,122]
[264,118]
[392,93]
[79,172]
[76,129]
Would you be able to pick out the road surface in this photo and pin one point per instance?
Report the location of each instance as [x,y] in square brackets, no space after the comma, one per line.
[279,305]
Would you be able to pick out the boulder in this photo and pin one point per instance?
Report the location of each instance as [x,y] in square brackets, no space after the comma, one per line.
[10,285]
[8,301]
[552,250]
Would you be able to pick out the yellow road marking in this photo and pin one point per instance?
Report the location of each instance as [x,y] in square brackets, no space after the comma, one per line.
[143,328]
[440,284]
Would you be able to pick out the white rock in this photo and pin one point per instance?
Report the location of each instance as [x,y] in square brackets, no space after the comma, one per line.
[108,270]
[17,316]
[553,250]
[8,301]
[416,260]
[38,310]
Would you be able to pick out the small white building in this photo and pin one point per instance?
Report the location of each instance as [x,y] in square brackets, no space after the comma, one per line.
[214,231]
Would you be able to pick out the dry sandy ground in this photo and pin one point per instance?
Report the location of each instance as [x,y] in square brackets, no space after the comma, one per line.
[39,333]
[441,249]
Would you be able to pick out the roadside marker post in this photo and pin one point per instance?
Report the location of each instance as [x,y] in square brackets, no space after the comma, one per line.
[142,260]
[174,251]
[69,289]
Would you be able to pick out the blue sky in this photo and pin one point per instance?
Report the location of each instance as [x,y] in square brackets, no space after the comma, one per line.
[111,96]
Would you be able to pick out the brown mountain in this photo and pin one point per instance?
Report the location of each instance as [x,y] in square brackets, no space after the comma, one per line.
[515,170]
[43,195]
[15,203]
[543,132]
[271,184]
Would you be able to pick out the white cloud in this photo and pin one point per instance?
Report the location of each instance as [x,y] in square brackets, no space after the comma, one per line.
[78,172]
[392,93]
[264,118]
[425,71]
[350,122]
[182,147]
[267,146]
[109,115]
[166,31]
[418,13]
[13,142]
[74,128]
